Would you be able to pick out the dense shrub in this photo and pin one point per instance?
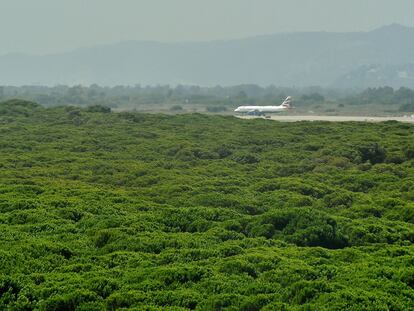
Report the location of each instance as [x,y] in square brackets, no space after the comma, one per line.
[372,152]
[138,211]
[302,227]
[98,108]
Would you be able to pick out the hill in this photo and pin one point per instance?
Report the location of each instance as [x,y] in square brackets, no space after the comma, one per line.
[103,210]
[287,59]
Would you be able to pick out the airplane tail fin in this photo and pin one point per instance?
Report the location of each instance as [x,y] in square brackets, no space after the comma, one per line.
[287,102]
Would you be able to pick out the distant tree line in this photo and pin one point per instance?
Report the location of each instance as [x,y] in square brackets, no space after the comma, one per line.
[135,96]
[214,99]
[386,96]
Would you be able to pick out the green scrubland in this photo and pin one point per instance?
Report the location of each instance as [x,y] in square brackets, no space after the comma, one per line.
[130,211]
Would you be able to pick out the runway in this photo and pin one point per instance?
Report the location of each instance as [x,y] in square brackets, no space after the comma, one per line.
[293,118]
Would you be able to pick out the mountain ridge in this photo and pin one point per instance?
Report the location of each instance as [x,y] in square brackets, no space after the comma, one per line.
[284,59]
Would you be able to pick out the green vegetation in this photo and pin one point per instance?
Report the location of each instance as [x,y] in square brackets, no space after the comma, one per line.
[219,100]
[103,210]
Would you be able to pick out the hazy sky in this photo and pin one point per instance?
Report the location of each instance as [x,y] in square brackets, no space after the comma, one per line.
[46,26]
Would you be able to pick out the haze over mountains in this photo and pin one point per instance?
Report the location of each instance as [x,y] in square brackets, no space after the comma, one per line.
[363,59]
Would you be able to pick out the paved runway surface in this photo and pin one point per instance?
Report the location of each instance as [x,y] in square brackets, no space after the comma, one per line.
[287,118]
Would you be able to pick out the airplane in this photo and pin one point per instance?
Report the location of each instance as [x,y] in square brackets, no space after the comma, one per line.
[261,110]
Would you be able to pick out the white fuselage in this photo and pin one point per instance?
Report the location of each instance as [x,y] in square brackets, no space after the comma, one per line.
[261,109]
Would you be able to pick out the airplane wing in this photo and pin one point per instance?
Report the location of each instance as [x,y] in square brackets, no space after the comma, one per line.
[255,112]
